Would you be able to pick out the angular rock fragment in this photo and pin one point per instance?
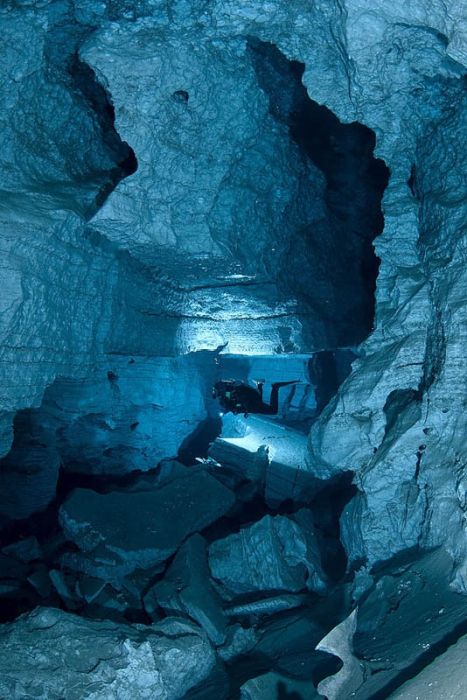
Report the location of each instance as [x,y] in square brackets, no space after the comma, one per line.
[240,641]
[273,554]
[40,581]
[129,530]
[186,589]
[288,643]
[267,452]
[89,588]
[61,584]
[50,655]
[112,603]
[266,606]
[275,686]
[445,677]
[339,642]
[409,616]
[25,550]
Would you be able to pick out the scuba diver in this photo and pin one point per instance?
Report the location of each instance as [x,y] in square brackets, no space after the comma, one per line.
[237,397]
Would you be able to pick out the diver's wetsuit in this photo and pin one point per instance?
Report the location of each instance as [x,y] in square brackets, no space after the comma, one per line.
[240,398]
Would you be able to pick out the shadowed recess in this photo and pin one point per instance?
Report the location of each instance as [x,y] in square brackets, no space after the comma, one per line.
[331,264]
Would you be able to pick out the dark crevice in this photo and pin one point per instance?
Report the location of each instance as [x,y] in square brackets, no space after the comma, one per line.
[197,444]
[327,370]
[397,403]
[412,181]
[86,84]
[435,352]
[327,509]
[344,279]
[181,96]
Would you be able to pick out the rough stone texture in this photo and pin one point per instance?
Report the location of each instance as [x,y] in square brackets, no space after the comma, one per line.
[186,588]
[273,686]
[198,159]
[122,531]
[274,554]
[55,283]
[396,420]
[410,617]
[339,642]
[167,261]
[268,452]
[80,283]
[444,679]
[116,420]
[49,654]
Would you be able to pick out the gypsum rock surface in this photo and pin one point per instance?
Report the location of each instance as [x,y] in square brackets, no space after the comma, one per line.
[187,589]
[169,301]
[189,136]
[55,283]
[444,678]
[409,617]
[274,685]
[187,165]
[50,654]
[390,68]
[270,25]
[339,642]
[117,419]
[274,554]
[269,453]
[120,532]
[396,420]
[113,422]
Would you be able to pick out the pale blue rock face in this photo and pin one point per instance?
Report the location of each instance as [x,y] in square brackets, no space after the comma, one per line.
[196,191]
[131,663]
[274,554]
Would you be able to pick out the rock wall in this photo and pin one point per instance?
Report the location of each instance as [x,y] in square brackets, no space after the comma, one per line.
[125,151]
[148,197]
[71,287]
[395,422]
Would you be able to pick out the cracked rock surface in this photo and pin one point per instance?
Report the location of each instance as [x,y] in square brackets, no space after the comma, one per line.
[161,204]
[107,527]
[50,654]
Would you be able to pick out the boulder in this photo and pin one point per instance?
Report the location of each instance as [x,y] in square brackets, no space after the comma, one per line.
[187,589]
[339,643]
[50,655]
[273,554]
[263,450]
[129,530]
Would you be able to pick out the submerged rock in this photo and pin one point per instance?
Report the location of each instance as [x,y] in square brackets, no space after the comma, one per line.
[409,617]
[288,643]
[50,655]
[445,677]
[28,479]
[187,589]
[339,642]
[128,530]
[265,451]
[25,550]
[266,606]
[274,554]
[275,686]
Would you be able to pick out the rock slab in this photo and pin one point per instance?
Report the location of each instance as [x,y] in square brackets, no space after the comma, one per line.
[141,529]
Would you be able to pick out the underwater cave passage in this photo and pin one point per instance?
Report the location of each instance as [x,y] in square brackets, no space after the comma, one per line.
[331,265]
